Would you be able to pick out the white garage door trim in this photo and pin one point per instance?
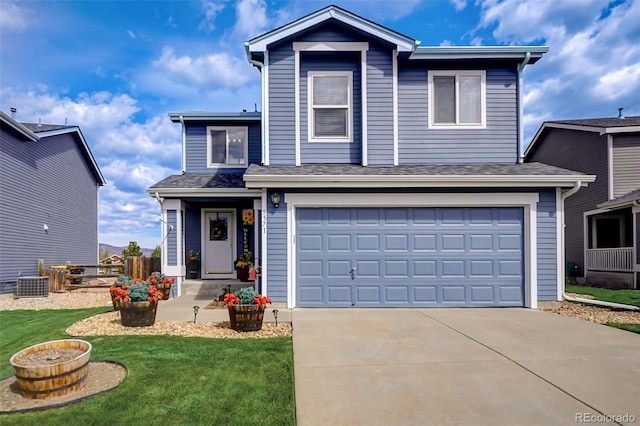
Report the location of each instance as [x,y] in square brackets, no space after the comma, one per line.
[528,201]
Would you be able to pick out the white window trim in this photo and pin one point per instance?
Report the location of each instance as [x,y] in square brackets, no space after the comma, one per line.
[212,165]
[310,116]
[528,201]
[483,99]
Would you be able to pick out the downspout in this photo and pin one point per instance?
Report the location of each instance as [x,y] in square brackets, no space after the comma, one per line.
[260,65]
[521,66]
[184,150]
[563,197]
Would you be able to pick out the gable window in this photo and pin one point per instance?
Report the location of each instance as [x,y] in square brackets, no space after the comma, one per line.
[330,106]
[227,146]
[457,99]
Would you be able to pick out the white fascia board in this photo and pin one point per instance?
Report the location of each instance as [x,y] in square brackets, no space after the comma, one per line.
[479,52]
[261,43]
[383,181]
[202,192]
[18,127]
[628,129]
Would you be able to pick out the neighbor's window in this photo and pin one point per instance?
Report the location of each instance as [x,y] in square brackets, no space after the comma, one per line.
[227,146]
[457,98]
[330,106]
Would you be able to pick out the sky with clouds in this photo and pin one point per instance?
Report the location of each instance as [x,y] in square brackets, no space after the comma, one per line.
[115,68]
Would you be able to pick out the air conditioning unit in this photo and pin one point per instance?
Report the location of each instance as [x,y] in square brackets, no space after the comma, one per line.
[33,287]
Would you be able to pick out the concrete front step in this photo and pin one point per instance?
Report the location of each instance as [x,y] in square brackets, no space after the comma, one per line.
[212,288]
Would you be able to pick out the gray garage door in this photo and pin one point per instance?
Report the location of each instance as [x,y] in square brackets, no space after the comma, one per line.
[378,257]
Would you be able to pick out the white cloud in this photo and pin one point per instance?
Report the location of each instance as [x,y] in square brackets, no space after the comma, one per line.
[593,64]
[251,18]
[208,70]
[459,4]
[132,156]
[211,11]
[13,18]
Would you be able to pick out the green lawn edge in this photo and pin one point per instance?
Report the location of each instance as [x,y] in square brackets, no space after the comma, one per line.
[171,379]
[626,297]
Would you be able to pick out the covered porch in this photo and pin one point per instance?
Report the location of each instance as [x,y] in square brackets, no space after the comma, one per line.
[612,242]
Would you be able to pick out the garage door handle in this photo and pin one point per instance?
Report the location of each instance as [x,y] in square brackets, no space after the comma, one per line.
[353,273]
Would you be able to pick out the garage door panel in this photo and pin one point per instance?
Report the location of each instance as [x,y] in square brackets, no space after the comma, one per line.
[410,257]
[339,242]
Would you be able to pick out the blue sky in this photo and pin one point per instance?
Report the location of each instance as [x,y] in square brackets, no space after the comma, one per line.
[115,68]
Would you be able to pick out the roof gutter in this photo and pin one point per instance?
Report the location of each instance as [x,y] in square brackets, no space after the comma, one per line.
[563,197]
[527,58]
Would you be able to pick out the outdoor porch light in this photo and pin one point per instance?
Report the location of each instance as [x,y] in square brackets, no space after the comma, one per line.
[195,313]
[275,199]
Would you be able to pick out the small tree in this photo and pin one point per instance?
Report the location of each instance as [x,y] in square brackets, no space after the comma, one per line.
[132,251]
[157,252]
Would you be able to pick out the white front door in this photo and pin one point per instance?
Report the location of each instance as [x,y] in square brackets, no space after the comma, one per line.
[219,244]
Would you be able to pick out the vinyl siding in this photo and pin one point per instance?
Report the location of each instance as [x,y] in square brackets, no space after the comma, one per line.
[420,145]
[281,106]
[380,106]
[626,158]
[547,246]
[583,152]
[47,182]
[330,152]
[196,146]
[277,252]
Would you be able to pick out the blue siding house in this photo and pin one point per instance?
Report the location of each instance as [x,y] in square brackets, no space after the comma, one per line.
[49,183]
[380,173]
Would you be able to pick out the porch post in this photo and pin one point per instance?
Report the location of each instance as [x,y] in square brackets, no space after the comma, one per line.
[635,212]
[173,241]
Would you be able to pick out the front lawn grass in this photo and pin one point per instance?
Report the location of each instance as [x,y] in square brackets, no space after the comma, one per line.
[635,328]
[626,297]
[171,380]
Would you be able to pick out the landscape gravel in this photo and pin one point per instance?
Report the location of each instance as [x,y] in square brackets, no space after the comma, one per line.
[109,323]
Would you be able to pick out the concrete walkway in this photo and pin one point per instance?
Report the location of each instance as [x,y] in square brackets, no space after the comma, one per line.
[461,367]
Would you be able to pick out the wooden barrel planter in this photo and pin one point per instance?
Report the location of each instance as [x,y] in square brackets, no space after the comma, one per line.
[165,289]
[246,317]
[52,368]
[137,314]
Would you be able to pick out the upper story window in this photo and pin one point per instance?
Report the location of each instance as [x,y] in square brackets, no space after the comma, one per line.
[330,105]
[227,146]
[457,99]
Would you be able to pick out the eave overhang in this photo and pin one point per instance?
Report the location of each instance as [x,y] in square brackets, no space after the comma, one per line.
[512,53]
[262,42]
[176,117]
[18,128]
[204,192]
[427,181]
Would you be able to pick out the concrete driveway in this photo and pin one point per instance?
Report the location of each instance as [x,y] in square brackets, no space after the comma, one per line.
[461,367]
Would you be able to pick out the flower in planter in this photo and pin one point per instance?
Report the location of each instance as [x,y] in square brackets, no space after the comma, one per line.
[136,291]
[162,283]
[244,261]
[193,259]
[246,296]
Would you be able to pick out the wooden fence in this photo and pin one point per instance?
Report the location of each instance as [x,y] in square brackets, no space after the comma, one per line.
[64,277]
[141,267]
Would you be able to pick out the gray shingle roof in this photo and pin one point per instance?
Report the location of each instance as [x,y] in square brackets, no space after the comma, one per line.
[525,169]
[602,122]
[623,200]
[202,181]
[35,127]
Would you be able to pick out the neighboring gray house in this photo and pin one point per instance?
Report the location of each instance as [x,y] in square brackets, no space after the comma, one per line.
[380,174]
[602,221]
[49,184]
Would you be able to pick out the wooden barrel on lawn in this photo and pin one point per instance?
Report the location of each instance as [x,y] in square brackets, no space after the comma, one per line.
[52,368]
